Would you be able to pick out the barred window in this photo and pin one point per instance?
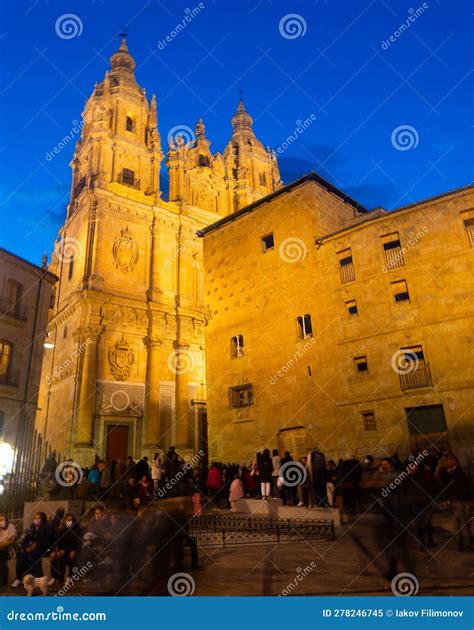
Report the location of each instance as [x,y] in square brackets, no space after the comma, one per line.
[240,396]
[469,227]
[369,421]
[393,251]
[346,265]
[237,347]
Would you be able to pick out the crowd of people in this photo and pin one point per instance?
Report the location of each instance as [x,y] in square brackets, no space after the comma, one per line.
[405,493]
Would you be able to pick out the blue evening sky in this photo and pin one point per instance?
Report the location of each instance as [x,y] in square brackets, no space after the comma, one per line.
[328,63]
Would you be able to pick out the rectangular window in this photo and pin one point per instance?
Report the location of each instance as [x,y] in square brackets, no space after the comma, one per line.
[412,368]
[469,227]
[263,179]
[351,307]
[369,422]
[268,242]
[361,365]
[346,266]
[400,291]
[128,177]
[5,356]
[305,327]
[240,396]
[392,250]
[237,347]
[129,124]
[71,268]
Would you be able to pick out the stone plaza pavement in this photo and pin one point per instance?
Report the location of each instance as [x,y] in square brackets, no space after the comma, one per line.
[324,567]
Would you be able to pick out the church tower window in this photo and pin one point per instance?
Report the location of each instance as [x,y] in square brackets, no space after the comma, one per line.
[130,126]
[128,177]
[268,242]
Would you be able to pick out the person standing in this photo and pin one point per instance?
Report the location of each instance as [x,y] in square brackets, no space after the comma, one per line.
[236,493]
[8,536]
[156,472]
[318,472]
[215,482]
[266,469]
[276,463]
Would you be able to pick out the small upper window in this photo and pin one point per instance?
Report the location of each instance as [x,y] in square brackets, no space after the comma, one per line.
[400,291]
[130,124]
[237,347]
[352,307]
[361,365]
[268,242]
[128,177]
[305,327]
[263,179]
[70,270]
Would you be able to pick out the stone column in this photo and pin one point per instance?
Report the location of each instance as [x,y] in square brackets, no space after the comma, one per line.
[152,435]
[88,339]
[182,366]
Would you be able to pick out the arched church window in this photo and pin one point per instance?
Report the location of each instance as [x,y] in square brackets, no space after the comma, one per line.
[263,179]
[129,124]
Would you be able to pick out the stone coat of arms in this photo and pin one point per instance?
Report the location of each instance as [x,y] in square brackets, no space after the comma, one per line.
[121,359]
[125,251]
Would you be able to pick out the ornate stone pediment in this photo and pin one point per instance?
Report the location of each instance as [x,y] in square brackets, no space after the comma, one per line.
[121,359]
[125,251]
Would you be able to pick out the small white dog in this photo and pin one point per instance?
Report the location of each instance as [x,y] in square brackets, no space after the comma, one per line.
[32,583]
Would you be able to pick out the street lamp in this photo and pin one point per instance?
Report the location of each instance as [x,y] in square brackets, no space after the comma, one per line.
[48,342]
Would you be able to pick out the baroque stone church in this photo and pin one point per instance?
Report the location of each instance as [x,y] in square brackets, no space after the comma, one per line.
[126,370]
